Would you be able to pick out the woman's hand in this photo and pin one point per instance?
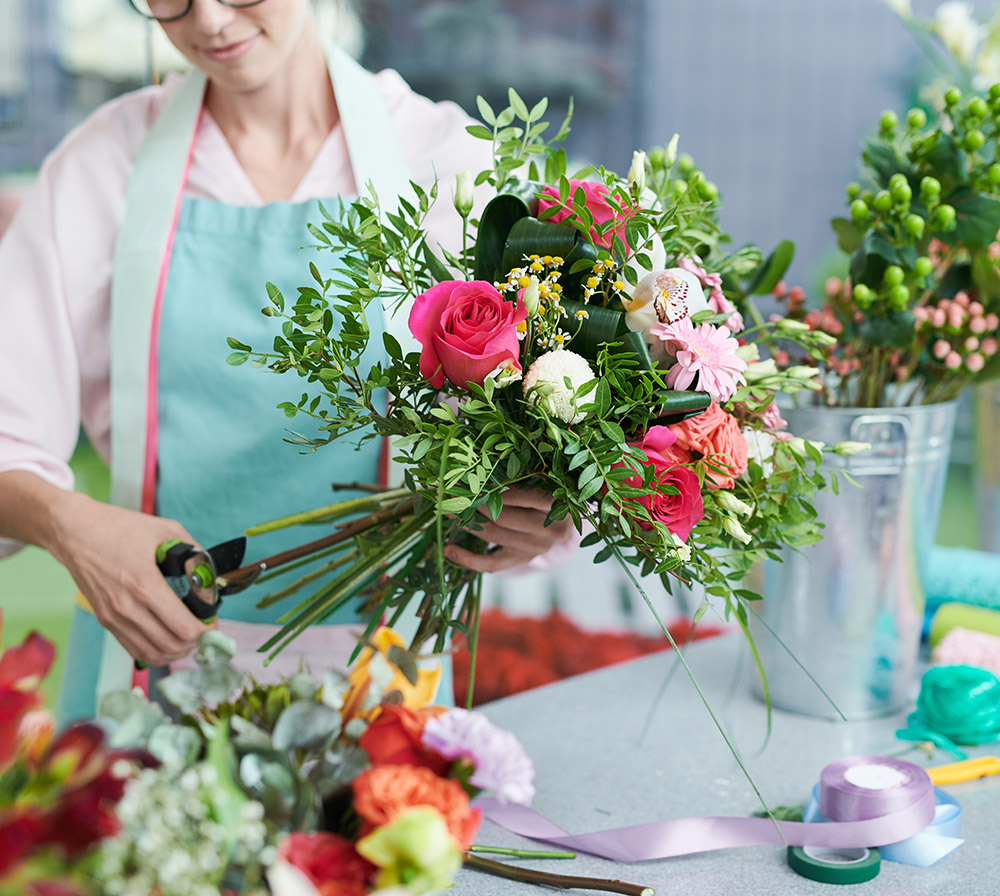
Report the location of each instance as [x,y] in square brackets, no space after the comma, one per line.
[519,533]
[111,554]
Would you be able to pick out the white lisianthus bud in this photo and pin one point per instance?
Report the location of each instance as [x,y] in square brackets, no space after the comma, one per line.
[802,372]
[545,383]
[761,370]
[797,446]
[464,193]
[531,296]
[958,29]
[749,352]
[682,551]
[760,448]
[670,153]
[793,326]
[736,530]
[729,502]
[847,449]
[663,297]
[637,171]
[821,338]
[505,373]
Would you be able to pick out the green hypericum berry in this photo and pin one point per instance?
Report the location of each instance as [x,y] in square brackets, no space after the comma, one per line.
[952,96]
[974,140]
[916,118]
[710,190]
[944,216]
[897,179]
[902,193]
[853,191]
[923,266]
[680,187]
[978,107]
[994,174]
[930,186]
[868,197]
[882,202]
[915,225]
[893,275]
[859,210]
[899,298]
[657,158]
[889,121]
[685,163]
[863,295]
[995,92]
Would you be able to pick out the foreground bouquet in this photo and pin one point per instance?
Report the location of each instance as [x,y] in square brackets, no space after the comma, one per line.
[352,785]
[587,340]
[917,318]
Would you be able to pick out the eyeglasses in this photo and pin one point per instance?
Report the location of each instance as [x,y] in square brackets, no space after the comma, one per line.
[172,10]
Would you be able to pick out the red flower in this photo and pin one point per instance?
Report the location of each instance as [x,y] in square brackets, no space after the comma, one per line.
[383,793]
[21,832]
[329,861]
[22,669]
[467,329]
[679,512]
[394,738]
[608,223]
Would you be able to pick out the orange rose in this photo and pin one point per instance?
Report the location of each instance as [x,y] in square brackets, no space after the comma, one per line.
[395,738]
[715,435]
[383,793]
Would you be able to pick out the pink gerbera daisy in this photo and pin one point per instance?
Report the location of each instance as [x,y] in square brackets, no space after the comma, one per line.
[702,353]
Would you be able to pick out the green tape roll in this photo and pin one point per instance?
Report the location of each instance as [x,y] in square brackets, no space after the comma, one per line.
[834,866]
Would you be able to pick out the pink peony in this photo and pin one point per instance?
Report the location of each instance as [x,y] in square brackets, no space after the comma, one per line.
[598,206]
[702,354]
[467,330]
[680,512]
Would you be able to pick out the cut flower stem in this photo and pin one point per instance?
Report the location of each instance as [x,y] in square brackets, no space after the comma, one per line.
[560,881]
[524,853]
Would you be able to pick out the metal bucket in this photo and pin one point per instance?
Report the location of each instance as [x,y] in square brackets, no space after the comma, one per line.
[851,607]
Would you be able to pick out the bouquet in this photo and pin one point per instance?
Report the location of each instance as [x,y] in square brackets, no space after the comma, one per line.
[351,785]
[591,338]
[916,318]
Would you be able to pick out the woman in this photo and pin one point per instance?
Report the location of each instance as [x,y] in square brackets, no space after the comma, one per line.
[145,243]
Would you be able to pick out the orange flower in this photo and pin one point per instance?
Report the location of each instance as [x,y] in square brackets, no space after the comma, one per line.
[414,695]
[383,793]
[715,434]
[395,738]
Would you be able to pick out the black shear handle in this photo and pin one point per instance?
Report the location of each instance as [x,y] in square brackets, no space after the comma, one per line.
[173,559]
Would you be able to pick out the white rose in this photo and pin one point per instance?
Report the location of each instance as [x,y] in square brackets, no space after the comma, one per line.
[545,383]
[664,297]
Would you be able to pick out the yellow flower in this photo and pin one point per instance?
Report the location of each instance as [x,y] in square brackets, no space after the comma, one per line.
[415,694]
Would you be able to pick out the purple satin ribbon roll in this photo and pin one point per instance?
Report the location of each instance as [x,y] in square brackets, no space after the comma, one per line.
[871,801]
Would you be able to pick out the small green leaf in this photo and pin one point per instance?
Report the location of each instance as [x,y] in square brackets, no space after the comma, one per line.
[235,359]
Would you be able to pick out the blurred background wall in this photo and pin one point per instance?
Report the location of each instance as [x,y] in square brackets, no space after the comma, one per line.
[770,97]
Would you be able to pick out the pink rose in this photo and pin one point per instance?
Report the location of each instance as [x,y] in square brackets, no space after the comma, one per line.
[598,206]
[467,330]
[681,512]
[715,434]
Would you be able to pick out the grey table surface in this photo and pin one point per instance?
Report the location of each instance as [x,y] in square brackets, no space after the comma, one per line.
[607,755]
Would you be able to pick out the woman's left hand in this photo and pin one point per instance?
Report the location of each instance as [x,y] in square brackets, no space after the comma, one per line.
[519,533]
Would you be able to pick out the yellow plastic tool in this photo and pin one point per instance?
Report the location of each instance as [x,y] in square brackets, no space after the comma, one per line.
[967,770]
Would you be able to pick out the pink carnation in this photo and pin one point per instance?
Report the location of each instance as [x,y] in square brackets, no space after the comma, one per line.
[702,354]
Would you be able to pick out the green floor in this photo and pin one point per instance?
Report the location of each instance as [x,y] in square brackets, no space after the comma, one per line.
[37,593]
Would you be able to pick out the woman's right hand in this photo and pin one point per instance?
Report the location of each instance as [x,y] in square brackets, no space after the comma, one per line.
[111,554]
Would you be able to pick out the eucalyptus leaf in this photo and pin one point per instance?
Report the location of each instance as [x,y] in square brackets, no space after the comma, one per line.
[175,745]
[214,647]
[182,689]
[305,725]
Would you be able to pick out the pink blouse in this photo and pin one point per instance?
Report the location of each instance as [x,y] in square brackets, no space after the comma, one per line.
[56,257]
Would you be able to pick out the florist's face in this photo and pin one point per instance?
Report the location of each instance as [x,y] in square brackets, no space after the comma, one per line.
[240,49]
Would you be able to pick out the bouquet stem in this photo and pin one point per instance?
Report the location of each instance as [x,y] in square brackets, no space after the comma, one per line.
[560,881]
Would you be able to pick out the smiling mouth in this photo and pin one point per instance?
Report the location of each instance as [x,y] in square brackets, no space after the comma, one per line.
[230,51]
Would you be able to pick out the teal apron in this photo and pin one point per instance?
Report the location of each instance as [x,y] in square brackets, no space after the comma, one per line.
[194,439]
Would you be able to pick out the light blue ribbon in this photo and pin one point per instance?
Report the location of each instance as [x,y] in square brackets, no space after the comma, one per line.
[938,839]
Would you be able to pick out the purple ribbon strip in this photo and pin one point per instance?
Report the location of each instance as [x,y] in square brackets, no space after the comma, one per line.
[861,815]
